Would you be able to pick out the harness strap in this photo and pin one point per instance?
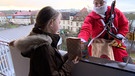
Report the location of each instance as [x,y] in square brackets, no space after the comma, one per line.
[98,34]
[105,28]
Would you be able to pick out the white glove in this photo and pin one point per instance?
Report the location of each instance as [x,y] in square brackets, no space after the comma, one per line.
[120,36]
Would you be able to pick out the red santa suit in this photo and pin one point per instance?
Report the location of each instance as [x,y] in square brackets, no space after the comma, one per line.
[93,26]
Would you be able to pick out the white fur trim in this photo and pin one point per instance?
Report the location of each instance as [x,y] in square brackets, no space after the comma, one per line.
[29,42]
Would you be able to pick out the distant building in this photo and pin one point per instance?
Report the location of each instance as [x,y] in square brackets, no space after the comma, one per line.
[24,17]
[66,22]
[73,21]
[78,19]
[3,18]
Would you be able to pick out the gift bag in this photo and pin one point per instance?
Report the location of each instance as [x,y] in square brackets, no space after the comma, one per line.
[101,48]
[73,47]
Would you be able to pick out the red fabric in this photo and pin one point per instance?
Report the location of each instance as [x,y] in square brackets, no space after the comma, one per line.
[92,26]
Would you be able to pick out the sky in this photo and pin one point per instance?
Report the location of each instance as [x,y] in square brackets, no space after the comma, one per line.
[123,5]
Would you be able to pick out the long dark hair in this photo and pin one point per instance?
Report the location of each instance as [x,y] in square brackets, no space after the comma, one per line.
[44,17]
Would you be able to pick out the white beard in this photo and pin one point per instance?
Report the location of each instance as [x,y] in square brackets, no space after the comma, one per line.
[100,10]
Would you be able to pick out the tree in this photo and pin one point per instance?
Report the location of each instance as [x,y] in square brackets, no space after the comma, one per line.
[131,18]
[31,19]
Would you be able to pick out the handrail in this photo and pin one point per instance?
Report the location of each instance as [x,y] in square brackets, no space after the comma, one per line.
[2,74]
[6,64]
[4,42]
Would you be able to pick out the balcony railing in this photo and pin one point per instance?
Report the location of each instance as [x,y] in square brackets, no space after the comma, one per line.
[6,64]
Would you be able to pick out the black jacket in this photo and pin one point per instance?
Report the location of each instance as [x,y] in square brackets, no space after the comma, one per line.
[45,59]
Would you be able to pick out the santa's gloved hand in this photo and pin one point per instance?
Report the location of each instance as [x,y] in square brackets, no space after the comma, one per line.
[120,36]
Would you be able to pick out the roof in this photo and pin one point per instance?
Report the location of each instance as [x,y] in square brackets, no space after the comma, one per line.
[22,31]
[34,12]
[19,13]
[2,14]
[81,15]
[65,15]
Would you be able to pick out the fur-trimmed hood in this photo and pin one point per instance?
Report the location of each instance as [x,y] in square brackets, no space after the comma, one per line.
[30,42]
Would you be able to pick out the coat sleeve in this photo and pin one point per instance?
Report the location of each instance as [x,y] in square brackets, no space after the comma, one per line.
[123,24]
[43,63]
[86,29]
